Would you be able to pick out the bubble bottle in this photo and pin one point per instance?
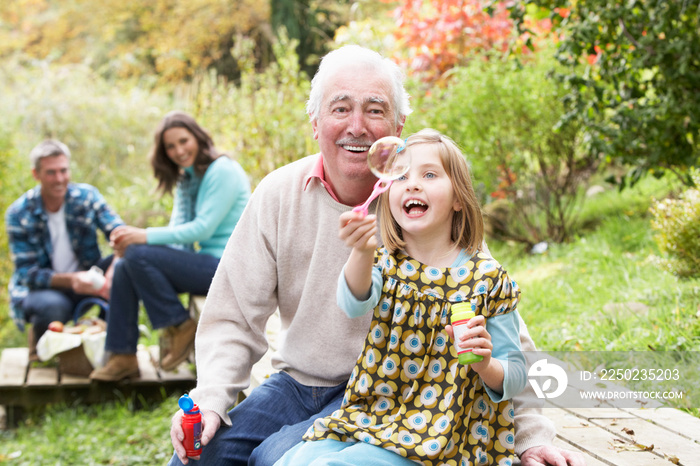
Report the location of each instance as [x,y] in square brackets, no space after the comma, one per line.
[191,425]
[461,313]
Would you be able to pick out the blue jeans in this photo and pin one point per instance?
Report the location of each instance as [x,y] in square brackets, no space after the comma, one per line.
[155,275]
[269,422]
[41,307]
[331,452]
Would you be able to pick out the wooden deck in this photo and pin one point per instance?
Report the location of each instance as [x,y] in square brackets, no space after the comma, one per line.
[24,385]
[650,434]
[626,436]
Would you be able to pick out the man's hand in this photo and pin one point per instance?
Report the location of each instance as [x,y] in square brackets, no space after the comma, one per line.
[549,455]
[81,284]
[210,424]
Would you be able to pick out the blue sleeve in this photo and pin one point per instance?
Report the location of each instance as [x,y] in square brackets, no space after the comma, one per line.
[219,191]
[107,219]
[352,306]
[26,254]
[505,335]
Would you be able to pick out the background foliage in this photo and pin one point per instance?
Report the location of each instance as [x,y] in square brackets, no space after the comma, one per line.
[637,93]
[262,120]
[677,226]
[168,40]
[530,172]
[101,80]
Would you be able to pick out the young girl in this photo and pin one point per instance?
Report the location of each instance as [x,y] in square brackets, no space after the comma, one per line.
[408,398]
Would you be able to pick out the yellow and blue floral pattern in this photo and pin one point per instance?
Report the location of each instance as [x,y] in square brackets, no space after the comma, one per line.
[408,393]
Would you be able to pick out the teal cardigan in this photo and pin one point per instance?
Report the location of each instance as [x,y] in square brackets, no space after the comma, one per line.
[222,195]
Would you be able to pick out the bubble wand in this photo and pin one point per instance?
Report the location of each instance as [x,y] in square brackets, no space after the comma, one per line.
[388,161]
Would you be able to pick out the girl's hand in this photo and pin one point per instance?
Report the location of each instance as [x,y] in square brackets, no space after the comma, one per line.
[477,338]
[359,232]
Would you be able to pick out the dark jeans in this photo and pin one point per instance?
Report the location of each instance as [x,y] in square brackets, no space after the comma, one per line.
[268,423]
[155,275]
[41,307]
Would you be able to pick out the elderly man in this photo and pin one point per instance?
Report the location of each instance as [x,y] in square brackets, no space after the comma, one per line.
[52,231]
[285,253]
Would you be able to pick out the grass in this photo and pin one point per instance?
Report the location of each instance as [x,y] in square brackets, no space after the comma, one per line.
[605,291]
[579,296]
[113,434]
[576,297]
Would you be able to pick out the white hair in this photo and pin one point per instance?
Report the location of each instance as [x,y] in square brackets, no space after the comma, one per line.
[352,57]
[47,148]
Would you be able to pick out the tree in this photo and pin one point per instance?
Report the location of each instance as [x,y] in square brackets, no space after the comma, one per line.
[637,95]
[434,36]
[122,38]
[312,23]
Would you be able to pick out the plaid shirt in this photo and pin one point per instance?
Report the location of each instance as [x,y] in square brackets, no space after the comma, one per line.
[30,240]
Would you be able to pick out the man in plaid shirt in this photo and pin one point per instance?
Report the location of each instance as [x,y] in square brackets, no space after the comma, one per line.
[52,231]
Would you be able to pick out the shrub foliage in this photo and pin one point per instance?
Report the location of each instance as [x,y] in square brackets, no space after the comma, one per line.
[677,226]
[528,169]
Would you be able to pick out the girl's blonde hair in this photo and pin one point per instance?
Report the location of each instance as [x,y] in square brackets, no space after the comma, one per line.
[467,223]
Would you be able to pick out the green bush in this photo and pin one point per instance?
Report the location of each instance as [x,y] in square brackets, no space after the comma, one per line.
[505,119]
[261,120]
[677,226]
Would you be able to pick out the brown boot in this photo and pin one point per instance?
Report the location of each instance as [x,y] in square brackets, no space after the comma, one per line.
[119,366]
[181,344]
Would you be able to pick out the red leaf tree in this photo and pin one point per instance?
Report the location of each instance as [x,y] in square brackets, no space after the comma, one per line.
[436,35]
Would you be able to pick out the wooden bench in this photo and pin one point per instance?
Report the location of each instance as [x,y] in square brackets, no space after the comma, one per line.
[24,385]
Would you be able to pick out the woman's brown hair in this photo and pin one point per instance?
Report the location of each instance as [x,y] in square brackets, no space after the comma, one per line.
[165,170]
[467,223]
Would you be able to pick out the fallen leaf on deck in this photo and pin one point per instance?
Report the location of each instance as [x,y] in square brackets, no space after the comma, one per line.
[632,446]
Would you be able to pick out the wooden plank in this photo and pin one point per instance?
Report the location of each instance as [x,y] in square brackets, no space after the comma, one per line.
[196,306]
[13,366]
[73,380]
[146,367]
[42,377]
[642,432]
[680,422]
[603,445]
[181,372]
[590,460]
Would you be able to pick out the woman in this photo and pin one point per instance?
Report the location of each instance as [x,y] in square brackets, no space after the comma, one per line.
[159,263]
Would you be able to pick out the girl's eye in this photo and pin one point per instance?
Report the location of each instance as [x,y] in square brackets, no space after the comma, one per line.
[401,178]
[430,175]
